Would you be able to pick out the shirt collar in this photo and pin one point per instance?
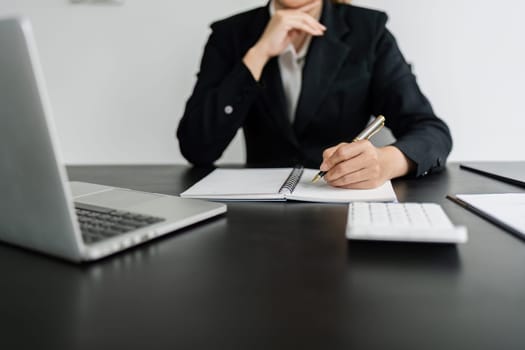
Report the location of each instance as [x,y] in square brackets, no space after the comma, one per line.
[271,8]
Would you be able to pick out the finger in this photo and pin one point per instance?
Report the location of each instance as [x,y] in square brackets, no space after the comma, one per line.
[292,17]
[349,178]
[345,168]
[327,153]
[313,22]
[352,179]
[309,19]
[345,152]
[303,25]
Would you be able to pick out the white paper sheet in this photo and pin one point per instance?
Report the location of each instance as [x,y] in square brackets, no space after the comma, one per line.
[508,208]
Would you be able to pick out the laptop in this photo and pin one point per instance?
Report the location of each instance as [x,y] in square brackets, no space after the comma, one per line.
[39,209]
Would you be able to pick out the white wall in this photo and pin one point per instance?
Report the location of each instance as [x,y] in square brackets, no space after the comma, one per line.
[469,56]
[119,76]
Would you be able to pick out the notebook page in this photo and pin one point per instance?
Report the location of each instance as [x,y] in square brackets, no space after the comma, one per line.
[240,184]
[508,208]
[322,192]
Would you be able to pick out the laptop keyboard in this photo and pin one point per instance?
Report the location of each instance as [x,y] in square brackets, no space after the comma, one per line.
[98,223]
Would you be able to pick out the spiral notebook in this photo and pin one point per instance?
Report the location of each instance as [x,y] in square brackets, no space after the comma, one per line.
[280,184]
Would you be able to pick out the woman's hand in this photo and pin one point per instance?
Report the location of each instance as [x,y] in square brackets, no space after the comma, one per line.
[286,23]
[361,165]
[284,26]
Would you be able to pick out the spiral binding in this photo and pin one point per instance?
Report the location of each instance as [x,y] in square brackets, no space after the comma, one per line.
[292,180]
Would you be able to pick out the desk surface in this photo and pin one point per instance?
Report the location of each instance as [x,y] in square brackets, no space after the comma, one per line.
[274,276]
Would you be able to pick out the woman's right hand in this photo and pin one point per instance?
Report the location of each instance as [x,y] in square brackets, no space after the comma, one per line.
[279,33]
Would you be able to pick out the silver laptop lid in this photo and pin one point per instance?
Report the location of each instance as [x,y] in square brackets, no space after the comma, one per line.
[35,207]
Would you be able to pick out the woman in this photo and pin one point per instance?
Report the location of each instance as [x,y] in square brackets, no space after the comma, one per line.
[302,78]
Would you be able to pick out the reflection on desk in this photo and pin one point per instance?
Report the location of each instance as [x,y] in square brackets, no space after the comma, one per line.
[274,276]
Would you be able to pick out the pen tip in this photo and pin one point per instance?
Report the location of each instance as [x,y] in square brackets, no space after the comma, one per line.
[316,178]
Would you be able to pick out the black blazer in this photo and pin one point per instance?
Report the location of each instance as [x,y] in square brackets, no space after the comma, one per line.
[354,71]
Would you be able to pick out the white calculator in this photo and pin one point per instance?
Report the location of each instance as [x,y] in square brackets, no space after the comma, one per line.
[402,222]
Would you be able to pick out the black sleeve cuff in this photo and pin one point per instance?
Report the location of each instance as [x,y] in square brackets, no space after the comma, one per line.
[426,159]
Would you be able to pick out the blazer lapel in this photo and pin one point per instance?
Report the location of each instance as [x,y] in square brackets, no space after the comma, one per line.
[273,95]
[272,90]
[323,62]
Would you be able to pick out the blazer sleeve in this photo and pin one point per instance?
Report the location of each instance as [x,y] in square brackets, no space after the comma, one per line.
[420,134]
[220,102]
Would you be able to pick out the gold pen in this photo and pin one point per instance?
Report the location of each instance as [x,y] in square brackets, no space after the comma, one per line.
[372,129]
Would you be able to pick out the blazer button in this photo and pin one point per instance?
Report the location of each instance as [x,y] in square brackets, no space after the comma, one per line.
[228,110]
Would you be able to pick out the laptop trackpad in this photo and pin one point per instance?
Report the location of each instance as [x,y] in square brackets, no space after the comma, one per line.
[118,199]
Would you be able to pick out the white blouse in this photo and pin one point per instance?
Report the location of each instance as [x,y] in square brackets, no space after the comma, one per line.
[291,64]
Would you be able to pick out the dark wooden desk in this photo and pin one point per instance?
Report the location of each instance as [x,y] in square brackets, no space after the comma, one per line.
[273,276]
